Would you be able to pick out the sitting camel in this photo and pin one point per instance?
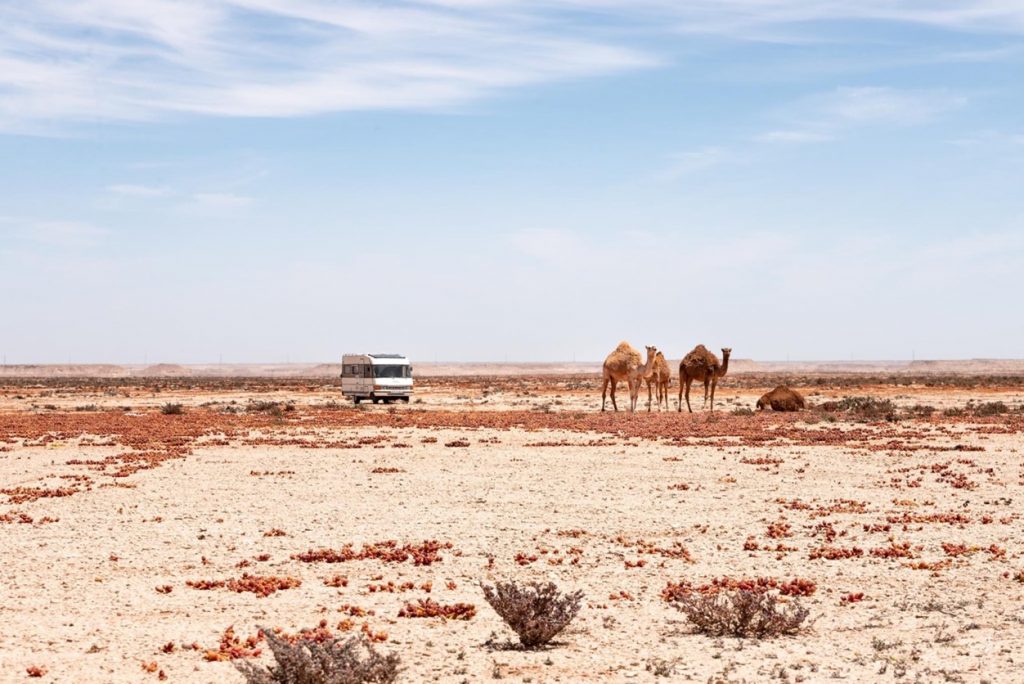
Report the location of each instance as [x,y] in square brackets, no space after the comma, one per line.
[700,364]
[661,377]
[782,399]
[624,364]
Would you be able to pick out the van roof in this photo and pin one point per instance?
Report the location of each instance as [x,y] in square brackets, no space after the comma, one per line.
[387,356]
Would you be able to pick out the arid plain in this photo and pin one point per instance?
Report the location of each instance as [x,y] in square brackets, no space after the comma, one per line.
[144,546]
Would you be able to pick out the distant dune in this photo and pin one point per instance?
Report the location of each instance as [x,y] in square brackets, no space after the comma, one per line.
[454,368]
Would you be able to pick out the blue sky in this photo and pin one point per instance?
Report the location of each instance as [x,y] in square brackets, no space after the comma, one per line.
[262,180]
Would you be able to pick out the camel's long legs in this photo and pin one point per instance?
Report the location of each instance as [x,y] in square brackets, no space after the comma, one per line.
[688,382]
[714,383]
[604,391]
[614,405]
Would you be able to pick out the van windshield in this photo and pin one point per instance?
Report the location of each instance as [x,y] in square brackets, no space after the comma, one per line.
[393,371]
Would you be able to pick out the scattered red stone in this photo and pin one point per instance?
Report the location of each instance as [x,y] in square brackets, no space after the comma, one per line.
[231,647]
[836,552]
[429,608]
[425,553]
[794,587]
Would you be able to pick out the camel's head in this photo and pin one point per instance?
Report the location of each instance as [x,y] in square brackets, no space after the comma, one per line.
[651,352]
[761,404]
[726,351]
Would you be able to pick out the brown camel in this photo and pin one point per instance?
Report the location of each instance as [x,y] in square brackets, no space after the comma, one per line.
[702,365]
[624,364]
[782,399]
[661,377]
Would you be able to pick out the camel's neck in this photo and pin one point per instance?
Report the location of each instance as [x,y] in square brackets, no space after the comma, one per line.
[725,366]
[647,370]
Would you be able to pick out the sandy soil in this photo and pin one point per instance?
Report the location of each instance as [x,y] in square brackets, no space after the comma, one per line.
[106,503]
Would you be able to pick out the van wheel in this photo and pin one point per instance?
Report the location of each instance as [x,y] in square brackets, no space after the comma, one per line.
[355,400]
[405,399]
[376,400]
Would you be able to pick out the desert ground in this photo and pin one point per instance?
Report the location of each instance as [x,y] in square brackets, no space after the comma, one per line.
[141,545]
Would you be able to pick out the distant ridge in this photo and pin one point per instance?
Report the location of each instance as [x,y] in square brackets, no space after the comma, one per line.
[434,369]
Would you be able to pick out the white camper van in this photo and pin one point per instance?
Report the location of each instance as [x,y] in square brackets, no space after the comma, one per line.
[378,377]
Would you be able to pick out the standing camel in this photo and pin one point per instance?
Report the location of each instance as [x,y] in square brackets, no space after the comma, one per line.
[624,364]
[661,377]
[702,365]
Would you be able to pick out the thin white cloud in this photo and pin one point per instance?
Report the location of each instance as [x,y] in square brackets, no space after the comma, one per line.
[793,136]
[65,234]
[67,61]
[825,116]
[130,190]
[693,161]
[987,140]
[873,105]
[221,200]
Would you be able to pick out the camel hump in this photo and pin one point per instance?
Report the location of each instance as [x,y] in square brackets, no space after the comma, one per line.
[624,357]
[701,355]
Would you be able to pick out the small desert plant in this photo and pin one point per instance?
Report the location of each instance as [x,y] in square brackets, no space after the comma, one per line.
[990,408]
[742,613]
[172,409]
[536,611]
[274,408]
[863,407]
[332,661]
[742,411]
[921,410]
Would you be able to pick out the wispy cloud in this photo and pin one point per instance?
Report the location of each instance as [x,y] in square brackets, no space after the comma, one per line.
[221,200]
[139,190]
[793,136]
[873,105]
[696,160]
[64,61]
[64,234]
[825,116]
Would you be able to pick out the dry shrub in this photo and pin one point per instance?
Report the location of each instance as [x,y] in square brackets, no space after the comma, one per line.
[536,611]
[742,613]
[989,408]
[921,410]
[868,408]
[172,409]
[330,661]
